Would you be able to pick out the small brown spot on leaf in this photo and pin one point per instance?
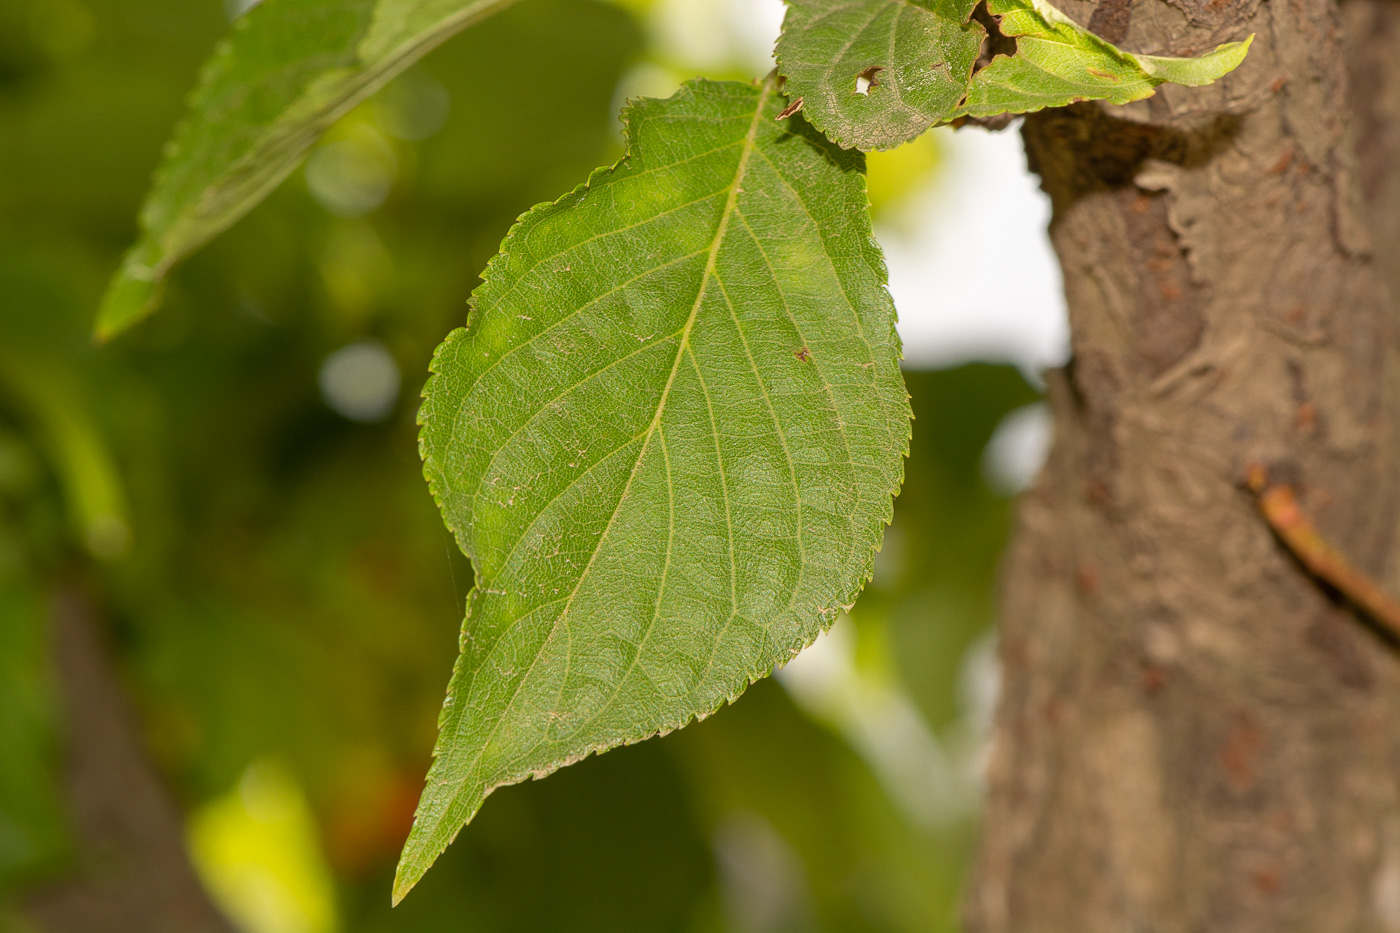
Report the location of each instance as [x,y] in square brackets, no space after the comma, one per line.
[803,355]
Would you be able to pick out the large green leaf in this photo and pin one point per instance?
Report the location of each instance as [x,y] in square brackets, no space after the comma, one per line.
[668,438]
[290,69]
[874,74]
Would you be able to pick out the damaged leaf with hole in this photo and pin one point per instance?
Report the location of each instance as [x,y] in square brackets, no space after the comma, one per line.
[874,74]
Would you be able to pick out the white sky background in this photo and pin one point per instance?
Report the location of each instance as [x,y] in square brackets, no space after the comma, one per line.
[971,268]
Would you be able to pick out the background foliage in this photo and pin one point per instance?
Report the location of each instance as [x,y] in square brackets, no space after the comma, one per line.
[280,594]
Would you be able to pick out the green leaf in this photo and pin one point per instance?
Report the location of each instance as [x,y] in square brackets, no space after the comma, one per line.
[1058,62]
[874,74]
[92,484]
[668,438]
[290,69]
[32,831]
[917,56]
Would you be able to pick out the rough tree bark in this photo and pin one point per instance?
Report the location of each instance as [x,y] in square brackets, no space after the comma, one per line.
[1372,30]
[1194,734]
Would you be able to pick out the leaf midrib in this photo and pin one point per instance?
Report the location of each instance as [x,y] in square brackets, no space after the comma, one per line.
[731,205]
[711,262]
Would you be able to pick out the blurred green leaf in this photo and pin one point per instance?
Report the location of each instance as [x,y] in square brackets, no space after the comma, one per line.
[874,74]
[866,867]
[32,827]
[290,70]
[668,439]
[92,487]
[608,846]
[257,850]
[934,588]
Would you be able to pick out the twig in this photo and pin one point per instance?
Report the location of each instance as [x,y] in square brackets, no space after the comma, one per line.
[1279,505]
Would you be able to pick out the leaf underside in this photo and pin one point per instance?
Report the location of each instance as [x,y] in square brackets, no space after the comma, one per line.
[668,438]
[918,57]
[290,69]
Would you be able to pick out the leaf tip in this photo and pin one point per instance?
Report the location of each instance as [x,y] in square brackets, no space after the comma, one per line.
[129,300]
[1199,71]
[406,878]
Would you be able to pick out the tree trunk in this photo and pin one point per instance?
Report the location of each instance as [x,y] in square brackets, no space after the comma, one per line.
[1373,55]
[132,875]
[1195,734]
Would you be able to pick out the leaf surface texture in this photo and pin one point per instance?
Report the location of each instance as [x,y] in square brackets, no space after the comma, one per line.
[668,438]
[874,74]
[1058,62]
[290,69]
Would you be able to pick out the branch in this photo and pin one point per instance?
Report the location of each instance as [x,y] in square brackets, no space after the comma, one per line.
[1278,503]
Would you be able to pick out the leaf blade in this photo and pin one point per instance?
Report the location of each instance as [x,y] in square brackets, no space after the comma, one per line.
[924,74]
[1059,62]
[668,480]
[918,55]
[289,70]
